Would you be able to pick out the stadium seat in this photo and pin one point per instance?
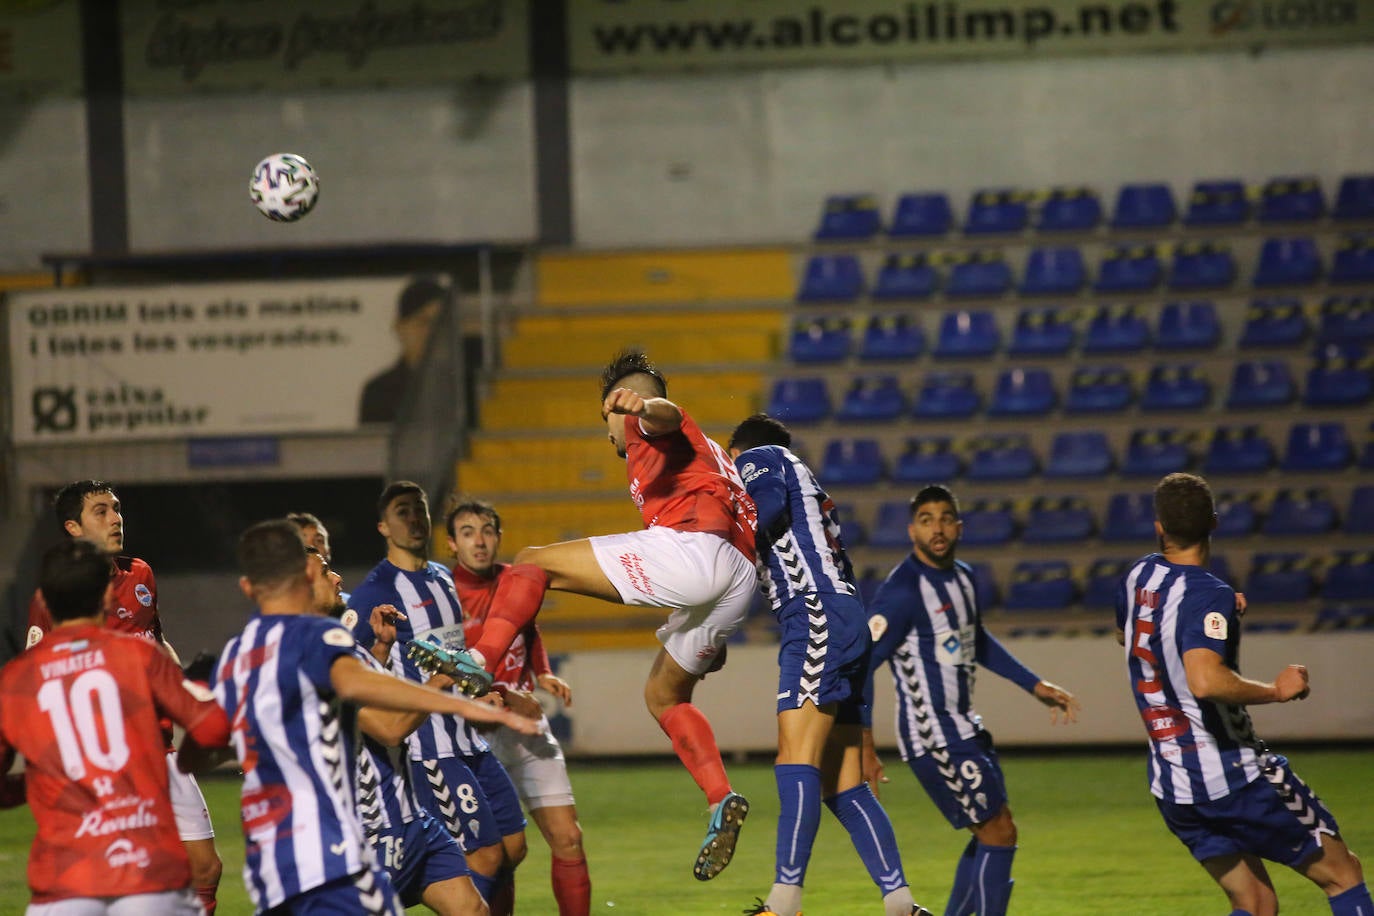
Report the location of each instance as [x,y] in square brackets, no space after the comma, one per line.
[1188,326]
[1291,200]
[1201,266]
[831,278]
[1347,319]
[819,340]
[1144,206]
[921,214]
[1130,268]
[1274,323]
[1053,272]
[1176,387]
[1344,617]
[852,531]
[1116,329]
[991,211]
[988,523]
[1099,390]
[1044,585]
[1366,462]
[851,462]
[849,217]
[1156,452]
[1023,393]
[1055,519]
[1102,581]
[1215,203]
[891,337]
[799,400]
[1237,514]
[1288,262]
[1000,458]
[1317,447]
[1042,332]
[868,582]
[905,276]
[890,528]
[1238,450]
[946,395]
[1300,512]
[872,398]
[1130,517]
[978,274]
[1350,577]
[1340,377]
[984,586]
[1079,454]
[1354,261]
[1218,567]
[1355,198]
[1070,210]
[1261,383]
[1359,516]
[1280,577]
[926,460]
[967,334]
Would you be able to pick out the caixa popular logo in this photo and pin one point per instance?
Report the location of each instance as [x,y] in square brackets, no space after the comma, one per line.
[54,410]
[1229,16]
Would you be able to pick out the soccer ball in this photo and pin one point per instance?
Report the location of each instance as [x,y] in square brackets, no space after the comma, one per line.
[284,187]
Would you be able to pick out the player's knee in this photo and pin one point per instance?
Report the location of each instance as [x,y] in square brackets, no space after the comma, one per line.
[565,841]
[1000,831]
[515,848]
[487,860]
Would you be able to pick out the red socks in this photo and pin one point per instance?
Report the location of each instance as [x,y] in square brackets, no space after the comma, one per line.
[695,745]
[207,899]
[515,604]
[572,886]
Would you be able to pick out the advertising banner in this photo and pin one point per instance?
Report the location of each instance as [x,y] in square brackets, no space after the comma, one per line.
[612,36]
[40,47]
[214,359]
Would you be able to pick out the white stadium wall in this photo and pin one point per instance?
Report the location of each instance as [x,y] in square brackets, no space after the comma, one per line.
[43,182]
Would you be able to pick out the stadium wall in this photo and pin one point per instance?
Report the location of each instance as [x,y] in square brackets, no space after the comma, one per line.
[44,187]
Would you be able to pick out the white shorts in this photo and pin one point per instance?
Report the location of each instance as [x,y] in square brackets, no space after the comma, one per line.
[704,579]
[188,804]
[535,764]
[168,903]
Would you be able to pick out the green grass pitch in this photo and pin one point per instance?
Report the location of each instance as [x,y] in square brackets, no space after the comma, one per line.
[1091,842]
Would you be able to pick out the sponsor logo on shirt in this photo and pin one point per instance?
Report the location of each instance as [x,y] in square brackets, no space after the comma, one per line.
[266,807]
[144,596]
[124,613]
[97,823]
[1163,723]
[706,652]
[637,493]
[751,473]
[123,852]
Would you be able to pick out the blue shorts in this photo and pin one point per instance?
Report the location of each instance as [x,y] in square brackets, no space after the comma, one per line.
[824,654]
[365,892]
[452,794]
[1276,817]
[418,854]
[502,798]
[964,780]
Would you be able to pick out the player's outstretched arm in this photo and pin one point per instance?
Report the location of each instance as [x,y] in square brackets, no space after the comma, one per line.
[355,683]
[1210,679]
[391,727]
[1058,700]
[656,415]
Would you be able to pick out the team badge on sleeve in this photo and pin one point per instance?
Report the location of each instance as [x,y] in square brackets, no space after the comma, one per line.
[877,626]
[1214,625]
[34,638]
[144,596]
[338,636]
[349,618]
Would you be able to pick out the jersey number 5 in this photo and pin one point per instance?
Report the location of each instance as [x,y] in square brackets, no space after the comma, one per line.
[77,727]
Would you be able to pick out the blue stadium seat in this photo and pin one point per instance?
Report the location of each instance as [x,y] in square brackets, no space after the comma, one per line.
[1354,261]
[1055,519]
[1099,389]
[1274,323]
[851,462]
[1238,450]
[1366,462]
[1201,266]
[1079,454]
[1176,387]
[1188,326]
[852,531]
[1130,268]
[1053,272]
[1347,319]
[984,586]
[978,274]
[1101,582]
[1023,393]
[890,528]
[1000,458]
[1317,447]
[819,340]
[1144,206]
[988,523]
[1292,200]
[1044,585]
[905,276]
[1042,332]
[849,217]
[921,214]
[1340,377]
[1288,262]
[1218,567]
[967,334]
[799,400]
[1350,577]
[868,582]
[1359,516]
[1116,329]
[946,395]
[1261,383]
[991,211]
[891,337]
[926,460]
[1237,514]
[1130,517]
[1300,512]
[1281,577]
[872,398]
[1156,452]
[1343,617]
[1070,210]
[1215,203]
[1355,198]
[831,278]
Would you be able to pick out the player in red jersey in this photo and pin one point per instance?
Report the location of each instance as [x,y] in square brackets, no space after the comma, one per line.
[83,708]
[695,557]
[89,510]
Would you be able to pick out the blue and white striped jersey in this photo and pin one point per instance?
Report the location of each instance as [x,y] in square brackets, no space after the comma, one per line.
[925,622]
[798,536]
[430,605]
[295,741]
[1199,750]
[386,800]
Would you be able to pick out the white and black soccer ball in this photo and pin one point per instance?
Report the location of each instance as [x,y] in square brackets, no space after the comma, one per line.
[284,187]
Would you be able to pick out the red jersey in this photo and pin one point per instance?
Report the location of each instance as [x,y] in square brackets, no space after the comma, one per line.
[526,659]
[134,610]
[683,480]
[82,707]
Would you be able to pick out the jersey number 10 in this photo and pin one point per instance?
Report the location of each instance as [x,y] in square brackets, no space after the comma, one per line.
[75,725]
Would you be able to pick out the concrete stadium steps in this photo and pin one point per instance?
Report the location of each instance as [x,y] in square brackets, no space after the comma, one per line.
[554,341]
[583,639]
[571,403]
[548,521]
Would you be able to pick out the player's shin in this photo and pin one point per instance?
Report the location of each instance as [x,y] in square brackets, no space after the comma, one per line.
[695,743]
[871,833]
[1354,902]
[572,886]
[799,797]
[992,868]
[514,605]
[962,900]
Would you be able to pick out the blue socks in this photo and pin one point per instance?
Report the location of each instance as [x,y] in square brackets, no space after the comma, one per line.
[992,879]
[1354,902]
[871,833]
[961,897]
[799,817]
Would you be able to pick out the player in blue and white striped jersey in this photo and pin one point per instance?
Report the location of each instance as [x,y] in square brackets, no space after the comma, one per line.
[822,664]
[1221,791]
[927,625]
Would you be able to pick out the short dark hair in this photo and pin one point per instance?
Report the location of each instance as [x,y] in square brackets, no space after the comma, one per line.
[470,506]
[1185,508]
[397,488]
[304,519]
[935,493]
[71,499]
[73,577]
[419,293]
[271,553]
[760,429]
[627,363]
